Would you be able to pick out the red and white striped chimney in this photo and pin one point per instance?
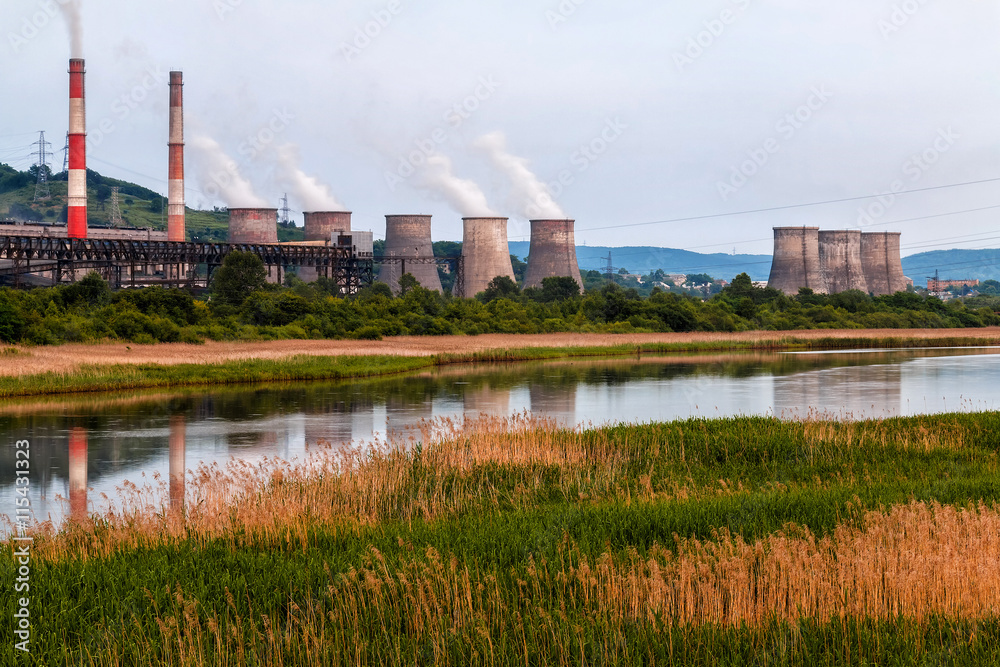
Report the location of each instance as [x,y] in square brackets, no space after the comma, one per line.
[175,202]
[77,200]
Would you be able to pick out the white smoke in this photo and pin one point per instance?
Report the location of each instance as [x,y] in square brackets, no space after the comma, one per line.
[530,196]
[463,195]
[313,195]
[220,175]
[71,12]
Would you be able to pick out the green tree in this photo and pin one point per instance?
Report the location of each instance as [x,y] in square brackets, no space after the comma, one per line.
[241,274]
[406,283]
[559,289]
[501,287]
[11,322]
[520,268]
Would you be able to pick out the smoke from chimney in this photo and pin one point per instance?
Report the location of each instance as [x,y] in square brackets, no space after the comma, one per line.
[313,195]
[220,176]
[530,196]
[71,11]
[463,195]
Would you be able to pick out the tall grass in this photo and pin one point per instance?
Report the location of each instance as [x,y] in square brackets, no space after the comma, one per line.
[516,541]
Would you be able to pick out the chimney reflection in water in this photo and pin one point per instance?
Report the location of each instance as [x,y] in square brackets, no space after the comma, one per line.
[178,454]
[78,473]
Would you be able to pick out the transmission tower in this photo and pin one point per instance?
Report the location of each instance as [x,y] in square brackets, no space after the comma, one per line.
[610,270]
[116,211]
[284,210]
[42,192]
[66,155]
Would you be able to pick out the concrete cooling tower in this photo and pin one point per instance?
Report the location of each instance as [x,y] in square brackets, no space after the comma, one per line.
[409,236]
[322,225]
[796,260]
[257,226]
[552,253]
[485,254]
[882,261]
[840,258]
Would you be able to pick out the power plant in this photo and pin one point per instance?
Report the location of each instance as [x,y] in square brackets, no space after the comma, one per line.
[253,226]
[552,252]
[485,254]
[408,243]
[830,262]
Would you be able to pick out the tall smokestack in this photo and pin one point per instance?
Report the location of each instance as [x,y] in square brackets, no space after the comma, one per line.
[77,201]
[485,254]
[552,253]
[796,260]
[175,203]
[409,236]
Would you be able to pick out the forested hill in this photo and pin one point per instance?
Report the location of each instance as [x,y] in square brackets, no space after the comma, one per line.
[643,260]
[953,265]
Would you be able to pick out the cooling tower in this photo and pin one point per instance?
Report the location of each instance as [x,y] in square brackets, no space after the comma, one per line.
[796,260]
[485,254]
[175,189]
[409,236]
[76,226]
[322,225]
[840,258]
[882,263]
[253,225]
[552,253]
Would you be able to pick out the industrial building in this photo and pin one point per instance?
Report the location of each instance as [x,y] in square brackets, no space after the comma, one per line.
[830,262]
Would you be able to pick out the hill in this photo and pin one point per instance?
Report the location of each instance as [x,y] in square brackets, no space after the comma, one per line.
[953,265]
[645,259]
[140,207]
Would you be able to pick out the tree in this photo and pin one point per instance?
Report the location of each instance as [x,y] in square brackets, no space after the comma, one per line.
[156,205]
[93,290]
[11,322]
[697,279]
[406,283]
[520,268]
[559,289]
[241,274]
[501,287]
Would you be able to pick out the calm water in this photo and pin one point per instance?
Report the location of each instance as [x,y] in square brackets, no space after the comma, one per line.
[83,447]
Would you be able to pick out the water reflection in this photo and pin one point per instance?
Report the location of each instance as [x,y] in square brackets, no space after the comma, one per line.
[85,447]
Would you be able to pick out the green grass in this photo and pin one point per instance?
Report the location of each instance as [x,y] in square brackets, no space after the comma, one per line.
[109,610]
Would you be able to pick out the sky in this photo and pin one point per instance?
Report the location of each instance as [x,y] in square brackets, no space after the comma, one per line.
[696,124]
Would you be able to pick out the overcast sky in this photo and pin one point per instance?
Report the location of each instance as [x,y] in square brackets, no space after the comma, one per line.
[646,111]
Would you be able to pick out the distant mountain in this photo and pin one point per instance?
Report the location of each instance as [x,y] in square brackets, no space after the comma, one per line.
[953,265]
[645,259]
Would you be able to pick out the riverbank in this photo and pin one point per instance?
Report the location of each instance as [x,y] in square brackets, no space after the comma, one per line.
[513,541]
[40,371]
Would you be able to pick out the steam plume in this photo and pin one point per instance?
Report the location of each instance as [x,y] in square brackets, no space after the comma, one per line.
[220,175]
[71,12]
[463,195]
[314,195]
[530,195]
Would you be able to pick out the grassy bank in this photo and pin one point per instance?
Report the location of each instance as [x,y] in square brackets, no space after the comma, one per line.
[116,377]
[703,542]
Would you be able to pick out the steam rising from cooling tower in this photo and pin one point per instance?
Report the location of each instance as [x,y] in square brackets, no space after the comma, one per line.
[529,194]
[313,195]
[463,195]
[220,176]
[74,23]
